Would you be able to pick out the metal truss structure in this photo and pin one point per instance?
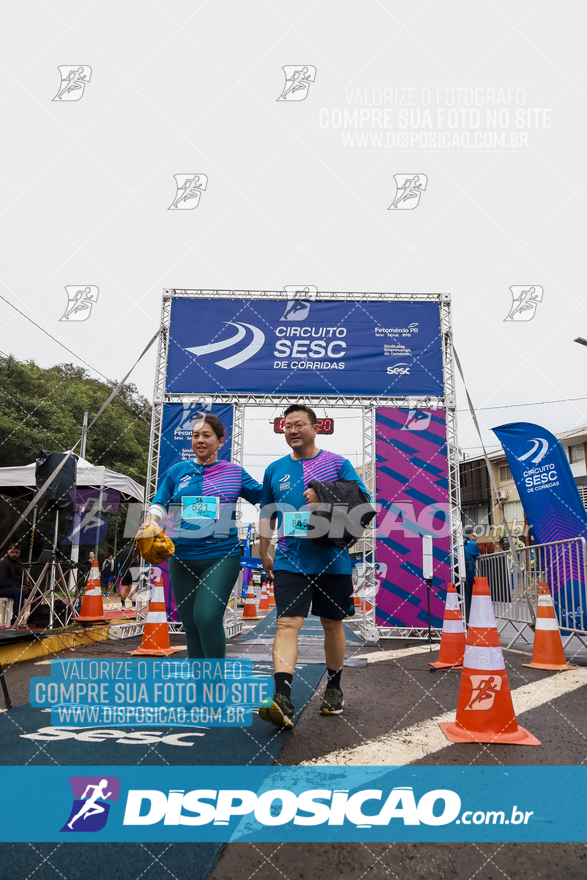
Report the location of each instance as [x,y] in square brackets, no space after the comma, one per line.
[368,404]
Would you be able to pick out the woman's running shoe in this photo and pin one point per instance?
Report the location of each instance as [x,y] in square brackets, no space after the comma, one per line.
[280,713]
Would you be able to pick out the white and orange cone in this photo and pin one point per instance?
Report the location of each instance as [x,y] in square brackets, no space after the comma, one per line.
[452,641]
[271,595]
[92,609]
[548,652]
[264,600]
[485,712]
[155,641]
[250,609]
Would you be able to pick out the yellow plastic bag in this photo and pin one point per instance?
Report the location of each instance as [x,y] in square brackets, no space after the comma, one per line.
[154,545]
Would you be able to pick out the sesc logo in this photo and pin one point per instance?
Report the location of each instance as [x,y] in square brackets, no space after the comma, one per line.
[240,357]
[399,370]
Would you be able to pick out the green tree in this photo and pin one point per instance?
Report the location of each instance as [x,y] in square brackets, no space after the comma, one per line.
[44,408]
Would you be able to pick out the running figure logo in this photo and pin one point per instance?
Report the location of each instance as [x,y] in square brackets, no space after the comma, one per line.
[485,688]
[525,301]
[189,189]
[73,82]
[90,802]
[416,420]
[297,82]
[79,302]
[409,189]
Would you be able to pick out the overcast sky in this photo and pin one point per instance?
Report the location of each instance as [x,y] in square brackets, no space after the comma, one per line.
[86,184]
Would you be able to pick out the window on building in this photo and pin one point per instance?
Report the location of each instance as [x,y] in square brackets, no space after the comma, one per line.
[583,494]
[513,512]
[505,473]
[576,453]
[476,516]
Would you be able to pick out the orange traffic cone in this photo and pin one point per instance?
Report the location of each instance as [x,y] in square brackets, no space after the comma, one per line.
[264,600]
[92,606]
[452,641]
[271,595]
[485,713]
[548,650]
[365,606]
[155,641]
[250,609]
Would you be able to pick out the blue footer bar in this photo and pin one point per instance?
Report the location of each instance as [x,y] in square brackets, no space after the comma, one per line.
[222,804]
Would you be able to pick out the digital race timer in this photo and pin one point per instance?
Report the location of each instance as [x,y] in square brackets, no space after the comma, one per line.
[324,426]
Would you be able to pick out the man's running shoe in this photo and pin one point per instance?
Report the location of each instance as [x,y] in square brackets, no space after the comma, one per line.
[280,713]
[332,702]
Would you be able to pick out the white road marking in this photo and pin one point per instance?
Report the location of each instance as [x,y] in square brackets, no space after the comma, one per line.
[413,743]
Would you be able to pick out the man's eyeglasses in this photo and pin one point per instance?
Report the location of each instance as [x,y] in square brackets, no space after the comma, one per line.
[298,427]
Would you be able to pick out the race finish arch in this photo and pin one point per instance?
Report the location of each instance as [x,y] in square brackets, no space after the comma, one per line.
[389,354]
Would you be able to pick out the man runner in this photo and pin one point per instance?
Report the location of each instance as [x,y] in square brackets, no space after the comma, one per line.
[304,572]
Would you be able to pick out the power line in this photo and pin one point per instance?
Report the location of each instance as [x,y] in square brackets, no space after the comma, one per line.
[46,332]
[536,403]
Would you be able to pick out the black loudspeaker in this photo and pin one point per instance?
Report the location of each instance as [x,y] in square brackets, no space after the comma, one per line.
[39,616]
[57,492]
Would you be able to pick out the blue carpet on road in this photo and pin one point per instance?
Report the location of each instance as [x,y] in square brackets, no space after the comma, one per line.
[257,745]
[311,630]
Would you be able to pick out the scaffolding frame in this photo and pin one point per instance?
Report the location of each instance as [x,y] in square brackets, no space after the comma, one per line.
[368,405]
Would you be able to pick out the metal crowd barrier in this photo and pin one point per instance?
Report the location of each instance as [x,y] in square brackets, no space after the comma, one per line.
[514,577]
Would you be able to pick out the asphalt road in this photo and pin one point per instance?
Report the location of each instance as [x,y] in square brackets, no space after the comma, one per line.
[393,702]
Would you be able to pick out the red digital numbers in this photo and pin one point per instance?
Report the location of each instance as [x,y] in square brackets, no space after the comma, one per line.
[324,426]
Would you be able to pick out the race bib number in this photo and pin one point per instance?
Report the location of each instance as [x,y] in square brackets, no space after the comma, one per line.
[296,525]
[199,507]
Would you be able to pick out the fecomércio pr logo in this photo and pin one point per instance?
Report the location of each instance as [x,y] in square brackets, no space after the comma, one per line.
[92,796]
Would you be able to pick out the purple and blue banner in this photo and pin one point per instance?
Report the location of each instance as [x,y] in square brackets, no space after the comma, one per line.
[282,346]
[553,508]
[412,489]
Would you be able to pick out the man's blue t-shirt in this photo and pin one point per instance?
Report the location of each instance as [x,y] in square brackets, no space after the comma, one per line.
[284,483]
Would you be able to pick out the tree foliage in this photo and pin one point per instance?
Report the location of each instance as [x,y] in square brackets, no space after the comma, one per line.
[44,408]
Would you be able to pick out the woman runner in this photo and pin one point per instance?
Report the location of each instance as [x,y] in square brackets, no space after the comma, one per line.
[202,494]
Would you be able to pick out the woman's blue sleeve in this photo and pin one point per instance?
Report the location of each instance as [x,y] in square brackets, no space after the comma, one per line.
[251,489]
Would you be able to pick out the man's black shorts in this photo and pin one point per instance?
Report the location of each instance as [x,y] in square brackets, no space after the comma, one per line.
[331,595]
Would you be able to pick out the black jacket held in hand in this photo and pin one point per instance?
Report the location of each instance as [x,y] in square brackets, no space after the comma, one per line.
[343,514]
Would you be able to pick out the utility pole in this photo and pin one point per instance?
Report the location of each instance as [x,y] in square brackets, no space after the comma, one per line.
[82,451]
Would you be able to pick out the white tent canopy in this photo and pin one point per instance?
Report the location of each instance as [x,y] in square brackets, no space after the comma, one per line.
[23,478]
